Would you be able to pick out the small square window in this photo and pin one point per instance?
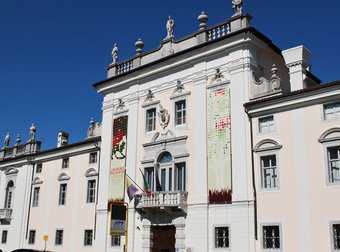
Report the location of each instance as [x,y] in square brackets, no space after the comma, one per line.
[271,237]
[59,237]
[269,172]
[115,240]
[65,163]
[180,112]
[38,168]
[266,124]
[4,236]
[31,237]
[151,119]
[88,237]
[336,236]
[334,164]
[221,237]
[93,158]
[331,111]
[36,192]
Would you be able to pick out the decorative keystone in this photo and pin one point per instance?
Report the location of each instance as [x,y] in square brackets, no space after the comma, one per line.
[203,19]
[139,46]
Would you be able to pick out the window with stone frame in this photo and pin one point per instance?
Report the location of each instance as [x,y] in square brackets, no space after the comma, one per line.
[62,194]
[4,237]
[269,172]
[31,237]
[180,112]
[331,111]
[35,200]
[333,158]
[271,238]
[91,191]
[59,235]
[38,168]
[266,124]
[222,238]
[150,122]
[65,163]
[115,240]
[336,236]
[88,237]
[93,158]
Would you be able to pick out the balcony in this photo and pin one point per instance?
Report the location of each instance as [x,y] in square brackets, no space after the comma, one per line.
[169,201]
[5,214]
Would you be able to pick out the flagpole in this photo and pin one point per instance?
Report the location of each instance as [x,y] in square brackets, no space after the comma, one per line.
[134,182]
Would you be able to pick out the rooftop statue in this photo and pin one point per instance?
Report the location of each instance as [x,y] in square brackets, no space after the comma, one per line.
[170,24]
[237,6]
[32,132]
[6,140]
[114,54]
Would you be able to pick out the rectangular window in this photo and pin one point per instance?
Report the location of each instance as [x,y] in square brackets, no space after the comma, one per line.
[271,237]
[62,194]
[180,112]
[269,172]
[151,119]
[65,163]
[334,164]
[115,240]
[36,192]
[93,158]
[59,237]
[221,237]
[91,191]
[88,238]
[4,236]
[38,169]
[31,237]
[336,236]
[266,124]
[149,172]
[163,179]
[180,177]
[331,111]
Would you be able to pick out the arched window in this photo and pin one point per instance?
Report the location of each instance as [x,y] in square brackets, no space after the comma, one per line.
[9,194]
[165,157]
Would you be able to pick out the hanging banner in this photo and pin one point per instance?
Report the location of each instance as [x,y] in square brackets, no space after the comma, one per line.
[219,143]
[118,159]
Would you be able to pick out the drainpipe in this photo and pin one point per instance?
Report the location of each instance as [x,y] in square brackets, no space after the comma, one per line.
[97,189]
[29,160]
[253,172]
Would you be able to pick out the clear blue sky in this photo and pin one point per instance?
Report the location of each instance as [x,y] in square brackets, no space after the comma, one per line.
[52,51]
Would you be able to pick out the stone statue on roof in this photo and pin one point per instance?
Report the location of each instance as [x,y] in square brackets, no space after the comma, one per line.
[114,54]
[237,6]
[32,132]
[170,24]
[6,140]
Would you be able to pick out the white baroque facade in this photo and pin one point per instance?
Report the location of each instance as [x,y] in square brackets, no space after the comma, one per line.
[233,143]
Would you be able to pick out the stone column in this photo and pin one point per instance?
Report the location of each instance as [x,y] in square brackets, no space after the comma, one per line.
[147,236]
[180,234]
[101,239]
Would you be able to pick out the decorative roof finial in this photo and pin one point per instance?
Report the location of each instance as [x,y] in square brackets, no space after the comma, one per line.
[139,45]
[114,54]
[203,19]
[7,139]
[32,132]
[170,24]
[237,6]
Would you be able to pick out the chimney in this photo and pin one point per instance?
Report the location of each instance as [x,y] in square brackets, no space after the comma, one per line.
[62,138]
[297,60]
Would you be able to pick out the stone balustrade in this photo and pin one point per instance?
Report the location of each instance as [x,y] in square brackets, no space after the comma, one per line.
[20,149]
[218,31]
[124,67]
[173,199]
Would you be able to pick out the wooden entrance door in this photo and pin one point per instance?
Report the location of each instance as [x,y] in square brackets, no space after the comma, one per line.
[164,238]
